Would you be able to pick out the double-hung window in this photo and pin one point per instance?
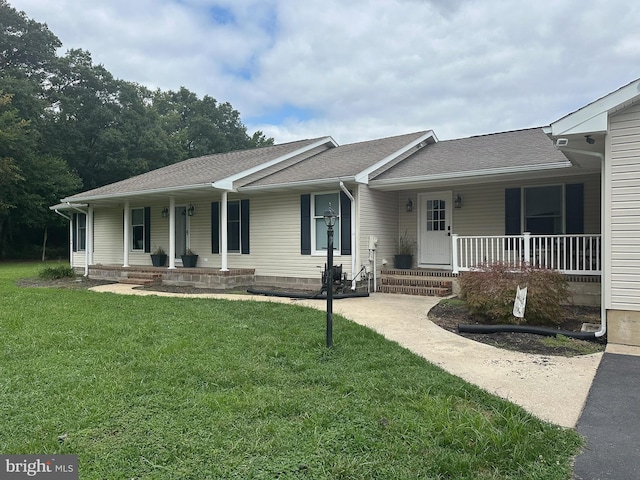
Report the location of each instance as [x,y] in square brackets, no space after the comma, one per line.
[137,229]
[233,226]
[81,231]
[320,203]
[543,210]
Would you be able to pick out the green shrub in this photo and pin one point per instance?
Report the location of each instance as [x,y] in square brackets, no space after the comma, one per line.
[57,272]
[490,293]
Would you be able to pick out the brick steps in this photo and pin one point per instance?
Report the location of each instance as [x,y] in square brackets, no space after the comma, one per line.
[416,282]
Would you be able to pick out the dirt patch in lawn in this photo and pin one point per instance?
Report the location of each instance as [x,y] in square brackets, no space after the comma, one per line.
[79,283]
[449,313]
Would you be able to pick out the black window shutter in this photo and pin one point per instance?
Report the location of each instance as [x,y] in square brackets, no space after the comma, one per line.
[215,227]
[147,229]
[305,224]
[574,205]
[512,211]
[74,231]
[345,224]
[244,226]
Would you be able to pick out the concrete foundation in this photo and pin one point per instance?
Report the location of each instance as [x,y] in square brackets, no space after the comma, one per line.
[623,327]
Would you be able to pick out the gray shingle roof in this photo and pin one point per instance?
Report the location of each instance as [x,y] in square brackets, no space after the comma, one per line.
[520,148]
[194,171]
[341,162]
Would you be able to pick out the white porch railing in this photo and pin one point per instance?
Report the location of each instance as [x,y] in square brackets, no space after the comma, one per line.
[571,254]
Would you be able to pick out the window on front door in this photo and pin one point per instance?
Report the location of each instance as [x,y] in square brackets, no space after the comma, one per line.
[436,216]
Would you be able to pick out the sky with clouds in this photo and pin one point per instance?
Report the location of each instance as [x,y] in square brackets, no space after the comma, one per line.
[364,69]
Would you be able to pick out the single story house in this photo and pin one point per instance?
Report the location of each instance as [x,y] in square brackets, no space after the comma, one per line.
[566,196]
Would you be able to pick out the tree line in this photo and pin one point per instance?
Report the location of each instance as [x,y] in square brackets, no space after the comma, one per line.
[68,125]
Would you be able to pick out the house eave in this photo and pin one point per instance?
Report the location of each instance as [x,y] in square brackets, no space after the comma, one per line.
[228,183]
[426,139]
[593,118]
[303,185]
[471,176]
[154,191]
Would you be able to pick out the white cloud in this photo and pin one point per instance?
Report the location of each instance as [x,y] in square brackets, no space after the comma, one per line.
[365,68]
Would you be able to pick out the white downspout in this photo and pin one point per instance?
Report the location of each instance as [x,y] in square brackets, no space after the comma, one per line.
[603,266]
[172,233]
[86,247]
[88,250]
[126,238]
[70,235]
[223,232]
[354,256]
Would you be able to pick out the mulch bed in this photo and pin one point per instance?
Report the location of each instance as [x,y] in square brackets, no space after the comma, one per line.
[450,315]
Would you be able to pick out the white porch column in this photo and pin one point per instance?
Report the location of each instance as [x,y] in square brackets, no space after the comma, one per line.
[454,253]
[88,251]
[172,232]
[527,247]
[223,232]
[71,234]
[127,233]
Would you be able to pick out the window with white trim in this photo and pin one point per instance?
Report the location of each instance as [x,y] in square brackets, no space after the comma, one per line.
[543,210]
[319,203]
[81,231]
[137,229]
[233,226]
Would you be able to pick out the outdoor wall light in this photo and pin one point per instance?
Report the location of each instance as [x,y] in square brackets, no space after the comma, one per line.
[165,212]
[457,203]
[409,206]
[191,211]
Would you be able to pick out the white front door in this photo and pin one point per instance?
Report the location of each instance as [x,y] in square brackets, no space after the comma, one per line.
[435,229]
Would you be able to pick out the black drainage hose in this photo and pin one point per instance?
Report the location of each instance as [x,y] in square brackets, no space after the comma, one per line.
[307,296]
[549,332]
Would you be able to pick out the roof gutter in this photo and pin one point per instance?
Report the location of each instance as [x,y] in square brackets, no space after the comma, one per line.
[325,182]
[603,310]
[141,192]
[471,173]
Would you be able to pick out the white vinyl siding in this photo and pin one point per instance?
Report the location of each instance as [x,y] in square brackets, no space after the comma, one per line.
[624,218]
[107,236]
[378,216]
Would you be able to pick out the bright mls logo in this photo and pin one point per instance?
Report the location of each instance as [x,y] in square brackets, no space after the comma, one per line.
[60,467]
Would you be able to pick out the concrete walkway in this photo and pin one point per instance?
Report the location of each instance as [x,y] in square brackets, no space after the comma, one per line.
[552,388]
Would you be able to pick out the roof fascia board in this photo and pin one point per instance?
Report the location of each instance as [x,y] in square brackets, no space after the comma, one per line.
[472,173]
[599,107]
[297,185]
[363,176]
[227,183]
[107,196]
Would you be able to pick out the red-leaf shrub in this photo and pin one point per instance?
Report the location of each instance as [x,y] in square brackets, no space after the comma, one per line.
[490,292]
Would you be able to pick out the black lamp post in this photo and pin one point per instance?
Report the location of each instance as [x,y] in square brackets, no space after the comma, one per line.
[330,221]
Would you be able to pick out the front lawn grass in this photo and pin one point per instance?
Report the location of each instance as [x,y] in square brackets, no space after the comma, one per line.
[170,388]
